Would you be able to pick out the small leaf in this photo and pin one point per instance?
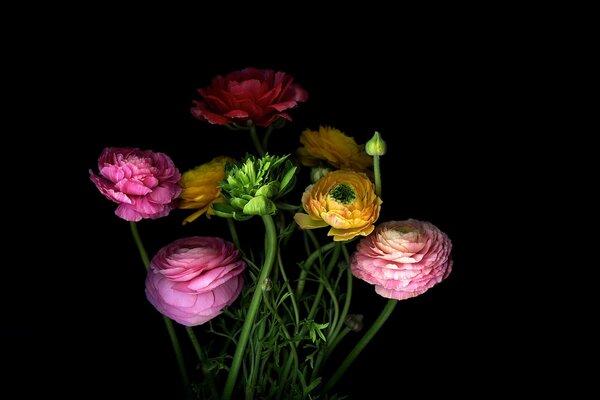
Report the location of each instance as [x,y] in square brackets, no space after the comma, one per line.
[286,180]
[312,385]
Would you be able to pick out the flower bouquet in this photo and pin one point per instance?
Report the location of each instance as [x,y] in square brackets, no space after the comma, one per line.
[265,317]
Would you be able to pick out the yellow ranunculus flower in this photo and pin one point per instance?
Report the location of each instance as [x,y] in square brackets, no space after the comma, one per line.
[334,147]
[344,200]
[201,187]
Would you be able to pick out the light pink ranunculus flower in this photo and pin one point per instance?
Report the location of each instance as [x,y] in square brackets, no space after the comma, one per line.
[142,182]
[403,259]
[192,279]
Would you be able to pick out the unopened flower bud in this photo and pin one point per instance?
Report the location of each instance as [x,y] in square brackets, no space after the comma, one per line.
[375,146]
[267,285]
[317,173]
[354,322]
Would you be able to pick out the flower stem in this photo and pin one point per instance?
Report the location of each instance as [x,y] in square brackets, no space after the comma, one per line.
[377,172]
[168,323]
[256,141]
[233,232]
[139,244]
[203,363]
[270,250]
[309,261]
[383,316]
[265,140]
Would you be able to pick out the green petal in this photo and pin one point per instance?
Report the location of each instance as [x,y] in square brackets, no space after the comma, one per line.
[238,202]
[268,190]
[260,205]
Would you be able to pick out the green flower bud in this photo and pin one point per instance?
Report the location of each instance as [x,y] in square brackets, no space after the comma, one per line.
[375,146]
[354,322]
[317,173]
[267,285]
[252,185]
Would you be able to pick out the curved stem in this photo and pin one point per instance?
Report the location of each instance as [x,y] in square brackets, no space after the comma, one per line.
[168,322]
[309,261]
[362,343]
[233,232]
[270,250]
[332,262]
[338,339]
[265,140]
[256,141]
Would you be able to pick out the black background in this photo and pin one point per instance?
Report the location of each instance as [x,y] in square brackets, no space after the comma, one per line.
[438,103]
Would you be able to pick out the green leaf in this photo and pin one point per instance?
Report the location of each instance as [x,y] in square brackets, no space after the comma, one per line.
[285,296]
[286,180]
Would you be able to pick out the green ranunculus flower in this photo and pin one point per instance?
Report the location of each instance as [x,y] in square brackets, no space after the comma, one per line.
[252,186]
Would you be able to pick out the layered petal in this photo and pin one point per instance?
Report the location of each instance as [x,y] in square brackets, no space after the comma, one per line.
[142,182]
[403,259]
[251,94]
[193,279]
[345,201]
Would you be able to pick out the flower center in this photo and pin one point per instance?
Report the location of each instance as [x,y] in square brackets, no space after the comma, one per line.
[343,193]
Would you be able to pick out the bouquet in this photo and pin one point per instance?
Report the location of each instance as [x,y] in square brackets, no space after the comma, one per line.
[265,311]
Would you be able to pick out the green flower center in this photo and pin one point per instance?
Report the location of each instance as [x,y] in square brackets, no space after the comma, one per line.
[343,193]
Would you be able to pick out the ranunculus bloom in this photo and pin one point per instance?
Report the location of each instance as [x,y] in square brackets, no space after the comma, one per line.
[257,95]
[193,279]
[142,182]
[333,147]
[344,200]
[403,259]
[201,187]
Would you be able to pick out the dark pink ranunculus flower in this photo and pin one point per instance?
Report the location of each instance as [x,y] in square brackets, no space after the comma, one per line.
[143,183]
[403,259]
[192,279]
[257,95]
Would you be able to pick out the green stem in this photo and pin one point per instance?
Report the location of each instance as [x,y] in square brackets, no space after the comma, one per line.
[265,140]
[377,171]
[139,244]
[348,300]
[270,250]
[203,363]
[283,383]
[362,343]
[179,356]
[309,261]
[233,232]
[338,339]
[332,263]
[168,323]
[251,382]
[256,141]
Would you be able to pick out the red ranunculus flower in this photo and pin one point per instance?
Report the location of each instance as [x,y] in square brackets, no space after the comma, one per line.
[257,95]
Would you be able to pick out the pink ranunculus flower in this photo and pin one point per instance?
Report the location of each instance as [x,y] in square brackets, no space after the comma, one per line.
[257,95]
[142,182]
[192,279]
[403,259]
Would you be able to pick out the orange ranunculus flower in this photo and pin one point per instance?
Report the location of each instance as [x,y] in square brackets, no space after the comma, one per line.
[201,187]
[344,200]
[334,147]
